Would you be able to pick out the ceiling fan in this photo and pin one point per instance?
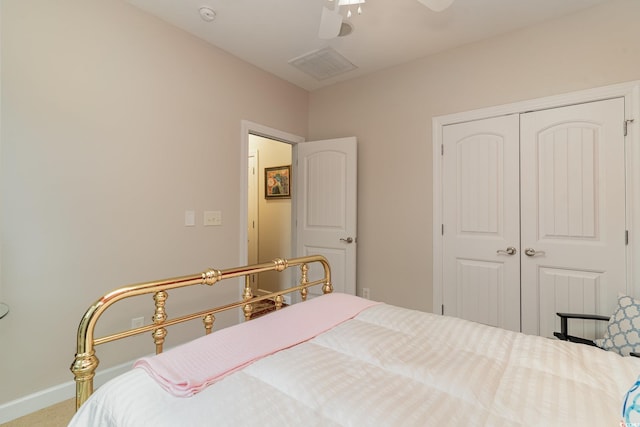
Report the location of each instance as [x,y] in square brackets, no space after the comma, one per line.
[333,25]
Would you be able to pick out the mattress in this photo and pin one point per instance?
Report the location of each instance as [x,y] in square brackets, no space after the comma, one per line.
[390,366]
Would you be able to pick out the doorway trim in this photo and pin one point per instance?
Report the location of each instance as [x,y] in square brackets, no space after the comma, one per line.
[630,91]
[247,127]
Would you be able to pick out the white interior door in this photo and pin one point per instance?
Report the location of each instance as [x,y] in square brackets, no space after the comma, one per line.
[573,213]
[571,255]
[481,226]
[326,207]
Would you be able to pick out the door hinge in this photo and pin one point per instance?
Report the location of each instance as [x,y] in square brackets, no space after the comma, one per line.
[442,310]
[442,149]
[626,237]
[442,229]
[626,126]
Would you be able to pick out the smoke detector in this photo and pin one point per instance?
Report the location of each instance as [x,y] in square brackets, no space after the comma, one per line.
[207,14]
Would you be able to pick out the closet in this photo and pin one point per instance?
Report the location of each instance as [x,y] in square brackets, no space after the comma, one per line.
[533,216]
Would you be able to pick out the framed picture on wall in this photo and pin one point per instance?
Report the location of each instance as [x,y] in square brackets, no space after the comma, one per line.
[277,183]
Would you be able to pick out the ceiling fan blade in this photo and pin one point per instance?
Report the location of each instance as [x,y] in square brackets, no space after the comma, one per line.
[436,5]
[330,23]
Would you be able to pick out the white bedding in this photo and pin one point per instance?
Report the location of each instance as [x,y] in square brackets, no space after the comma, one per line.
[391,366]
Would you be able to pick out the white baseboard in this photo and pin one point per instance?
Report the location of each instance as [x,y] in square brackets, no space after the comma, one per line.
[34,402]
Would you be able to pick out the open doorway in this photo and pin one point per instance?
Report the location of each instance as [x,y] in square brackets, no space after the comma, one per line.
[269,208]
[252,195]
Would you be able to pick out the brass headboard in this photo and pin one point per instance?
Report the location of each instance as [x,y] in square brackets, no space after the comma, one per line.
[86,362]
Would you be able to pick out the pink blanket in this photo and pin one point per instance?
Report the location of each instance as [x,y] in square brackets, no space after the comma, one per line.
[187,369]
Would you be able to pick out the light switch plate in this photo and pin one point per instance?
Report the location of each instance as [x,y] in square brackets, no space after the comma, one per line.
[189,218]
[212,218]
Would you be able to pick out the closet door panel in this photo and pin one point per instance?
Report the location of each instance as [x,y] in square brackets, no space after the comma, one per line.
[481,221]
[573,212]
[480,286]
[576,292]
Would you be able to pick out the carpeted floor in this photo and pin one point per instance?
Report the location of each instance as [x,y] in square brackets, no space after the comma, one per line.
[57,415]
[263,307]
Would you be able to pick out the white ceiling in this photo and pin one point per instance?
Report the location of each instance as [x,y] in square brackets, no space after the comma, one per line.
[268,33]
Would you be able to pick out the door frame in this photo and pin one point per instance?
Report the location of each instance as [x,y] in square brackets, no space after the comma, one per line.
[252,206]
[247,127]
[630,91]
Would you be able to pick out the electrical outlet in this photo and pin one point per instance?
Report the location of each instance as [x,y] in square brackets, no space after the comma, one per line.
[366,293]
[137,322]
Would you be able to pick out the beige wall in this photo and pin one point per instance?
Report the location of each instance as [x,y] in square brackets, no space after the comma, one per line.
[113,124]
[391,114]
[274,215]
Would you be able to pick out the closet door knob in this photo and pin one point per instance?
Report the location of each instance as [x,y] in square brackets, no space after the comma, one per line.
[533,252]
[510,251]
[347,240]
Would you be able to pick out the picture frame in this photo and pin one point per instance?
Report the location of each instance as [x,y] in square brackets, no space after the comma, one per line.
[277,182]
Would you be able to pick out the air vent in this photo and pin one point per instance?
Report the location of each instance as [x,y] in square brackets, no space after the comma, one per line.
[322,63]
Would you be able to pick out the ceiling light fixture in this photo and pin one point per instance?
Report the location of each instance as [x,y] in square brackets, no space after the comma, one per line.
[350,3]
[332,23]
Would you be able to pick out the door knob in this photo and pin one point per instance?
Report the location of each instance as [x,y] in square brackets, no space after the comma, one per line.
[510,251]
[533,252]
[347,240]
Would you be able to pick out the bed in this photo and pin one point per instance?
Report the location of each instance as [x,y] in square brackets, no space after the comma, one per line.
[340,360]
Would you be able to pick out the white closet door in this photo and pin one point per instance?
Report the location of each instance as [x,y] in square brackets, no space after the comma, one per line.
[573,213]
[481,280]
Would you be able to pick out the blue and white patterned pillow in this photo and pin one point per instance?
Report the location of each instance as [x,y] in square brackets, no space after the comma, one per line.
[623,331]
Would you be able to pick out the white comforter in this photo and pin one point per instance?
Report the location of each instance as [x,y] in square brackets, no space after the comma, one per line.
[391,367]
